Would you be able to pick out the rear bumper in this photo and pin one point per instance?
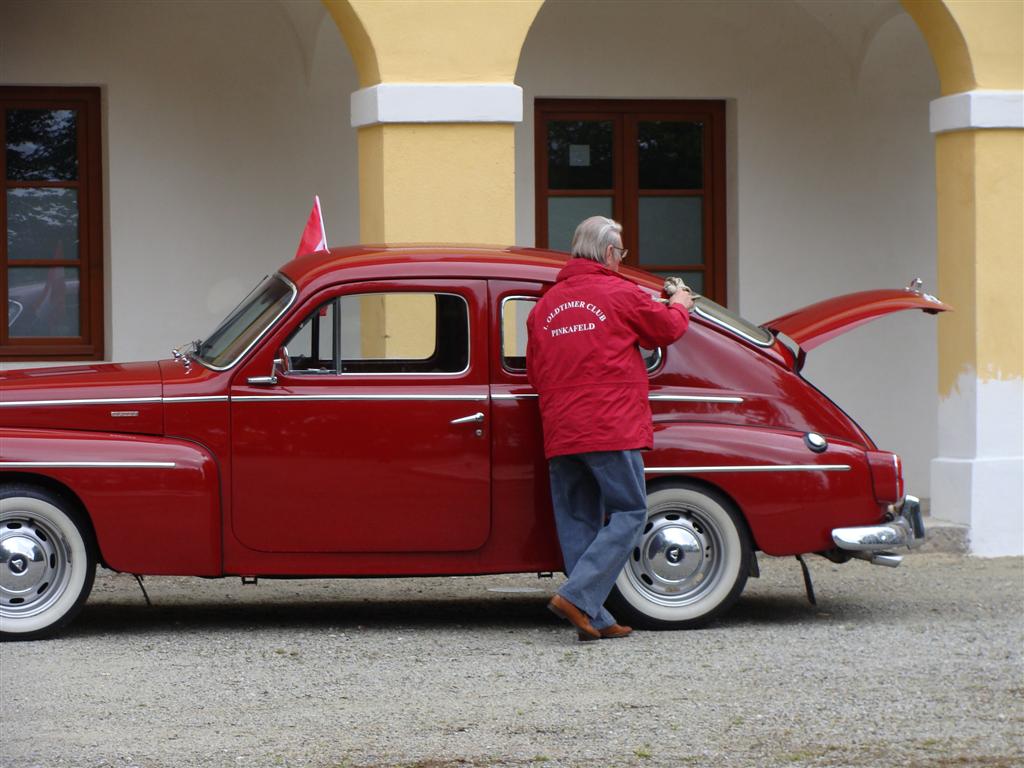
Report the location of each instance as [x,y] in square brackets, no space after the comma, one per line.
[905,528]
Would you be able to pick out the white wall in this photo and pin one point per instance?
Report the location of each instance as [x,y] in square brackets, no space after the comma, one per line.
[220,122]
[830,167]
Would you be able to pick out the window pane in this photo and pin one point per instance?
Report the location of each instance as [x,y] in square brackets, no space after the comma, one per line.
[42,301]
[671,155]
[41,145]
[246,323]
[566,213]
[671,230]
[404,333]
[311,347]
[693,279]
[513,332]
[580,154]
[42,224]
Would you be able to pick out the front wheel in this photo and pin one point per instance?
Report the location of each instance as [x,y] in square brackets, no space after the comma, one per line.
[690,564]
[47,562]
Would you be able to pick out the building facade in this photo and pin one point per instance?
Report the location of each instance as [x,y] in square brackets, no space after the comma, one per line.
[796,150]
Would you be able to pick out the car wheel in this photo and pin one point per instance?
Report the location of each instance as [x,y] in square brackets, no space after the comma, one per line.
[690,564]
[47,562]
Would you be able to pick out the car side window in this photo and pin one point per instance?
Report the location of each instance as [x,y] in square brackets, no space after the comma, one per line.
[514,311]
[383,333]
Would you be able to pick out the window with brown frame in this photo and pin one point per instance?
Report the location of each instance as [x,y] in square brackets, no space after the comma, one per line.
[656,166]
[51,257]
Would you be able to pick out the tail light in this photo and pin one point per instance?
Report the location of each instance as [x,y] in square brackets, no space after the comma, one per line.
[886,476]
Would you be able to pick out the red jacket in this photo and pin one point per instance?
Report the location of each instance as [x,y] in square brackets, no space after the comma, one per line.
[584,362]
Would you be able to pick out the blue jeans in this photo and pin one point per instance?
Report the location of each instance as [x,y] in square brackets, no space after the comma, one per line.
[600,504]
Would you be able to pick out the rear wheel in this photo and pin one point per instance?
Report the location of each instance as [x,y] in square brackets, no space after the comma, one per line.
[47,562]
[690,564]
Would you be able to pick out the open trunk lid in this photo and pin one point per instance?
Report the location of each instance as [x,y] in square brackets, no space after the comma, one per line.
[817,323]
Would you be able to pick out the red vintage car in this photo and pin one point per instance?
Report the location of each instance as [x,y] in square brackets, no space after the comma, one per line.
[366,412]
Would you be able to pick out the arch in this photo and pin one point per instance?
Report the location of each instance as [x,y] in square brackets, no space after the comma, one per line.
[946,43]
[356,37]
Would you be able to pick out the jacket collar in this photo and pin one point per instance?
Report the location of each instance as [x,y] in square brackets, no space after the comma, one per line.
[579,266]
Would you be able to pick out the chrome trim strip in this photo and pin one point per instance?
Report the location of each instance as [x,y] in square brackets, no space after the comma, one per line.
[271,324]
[505,396]
[88,464]
[197,399]
[465,398]
[84,401]
[695,398]
[754,468]
[119,400]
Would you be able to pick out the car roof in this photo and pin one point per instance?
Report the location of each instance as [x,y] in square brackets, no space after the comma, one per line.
[368,262]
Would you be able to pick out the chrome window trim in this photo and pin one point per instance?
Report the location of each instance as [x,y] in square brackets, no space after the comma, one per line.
[509,396]
[754,468]
[469,341]
[657,360]
[695,398]
[501,322]
[732,329]
[385,397]
[88,464]
[271,324]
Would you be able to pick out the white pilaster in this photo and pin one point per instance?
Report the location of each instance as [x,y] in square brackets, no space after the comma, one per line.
[978,478]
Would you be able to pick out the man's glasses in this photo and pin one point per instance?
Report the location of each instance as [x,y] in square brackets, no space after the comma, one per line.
[623,252]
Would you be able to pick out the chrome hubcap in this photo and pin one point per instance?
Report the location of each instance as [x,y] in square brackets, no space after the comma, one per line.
[34,565]
[678,558]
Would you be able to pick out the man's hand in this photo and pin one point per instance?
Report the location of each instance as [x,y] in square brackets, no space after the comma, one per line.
[683,297]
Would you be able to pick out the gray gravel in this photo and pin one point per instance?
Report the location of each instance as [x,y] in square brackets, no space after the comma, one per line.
[918,666]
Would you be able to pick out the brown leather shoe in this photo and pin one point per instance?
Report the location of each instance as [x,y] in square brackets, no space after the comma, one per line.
[566,610]
[614,631]
[609,633]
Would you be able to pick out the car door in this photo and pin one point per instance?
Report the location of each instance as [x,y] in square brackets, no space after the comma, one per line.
[375,435]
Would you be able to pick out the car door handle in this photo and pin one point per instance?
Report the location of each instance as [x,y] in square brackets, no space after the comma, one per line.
[476,418]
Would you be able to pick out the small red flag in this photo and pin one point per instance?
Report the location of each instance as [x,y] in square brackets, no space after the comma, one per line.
[314,236]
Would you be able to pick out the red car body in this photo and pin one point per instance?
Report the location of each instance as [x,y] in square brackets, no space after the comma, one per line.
[179,467]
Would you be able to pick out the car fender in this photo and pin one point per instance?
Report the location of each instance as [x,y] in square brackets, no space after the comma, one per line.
[791,495]
[154,502]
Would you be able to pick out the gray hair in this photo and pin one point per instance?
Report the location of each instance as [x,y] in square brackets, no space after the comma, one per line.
[593,236]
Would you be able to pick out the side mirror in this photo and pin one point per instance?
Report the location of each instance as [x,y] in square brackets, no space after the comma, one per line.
[281,366]
[282,362]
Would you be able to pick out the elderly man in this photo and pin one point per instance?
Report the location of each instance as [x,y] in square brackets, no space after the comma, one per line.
[583,359]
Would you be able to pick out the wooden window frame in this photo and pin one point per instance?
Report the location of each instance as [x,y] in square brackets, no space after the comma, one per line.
[88,345]
[625,114]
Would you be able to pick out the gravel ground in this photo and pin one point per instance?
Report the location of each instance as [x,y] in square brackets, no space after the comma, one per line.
[919,666]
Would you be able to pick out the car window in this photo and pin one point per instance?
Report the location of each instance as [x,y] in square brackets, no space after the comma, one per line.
[388,333]
[246,323]
[514,311]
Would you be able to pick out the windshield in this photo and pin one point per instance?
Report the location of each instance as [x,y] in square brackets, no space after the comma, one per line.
[246,323]
[719,315]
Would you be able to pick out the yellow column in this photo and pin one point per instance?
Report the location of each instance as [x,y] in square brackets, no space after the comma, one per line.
[978,48]
[436,140]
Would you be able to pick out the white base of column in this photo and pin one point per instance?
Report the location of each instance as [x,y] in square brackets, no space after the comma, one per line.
[987,495]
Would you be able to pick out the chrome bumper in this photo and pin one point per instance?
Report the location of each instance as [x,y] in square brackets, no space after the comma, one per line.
[872,542]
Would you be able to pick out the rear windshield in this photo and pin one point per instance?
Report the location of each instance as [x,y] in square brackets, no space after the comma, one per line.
[729,320]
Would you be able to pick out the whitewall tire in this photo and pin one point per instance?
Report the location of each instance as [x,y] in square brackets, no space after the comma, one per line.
[47,562]
[690,563]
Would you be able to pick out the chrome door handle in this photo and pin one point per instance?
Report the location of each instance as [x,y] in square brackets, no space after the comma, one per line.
[476,418]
